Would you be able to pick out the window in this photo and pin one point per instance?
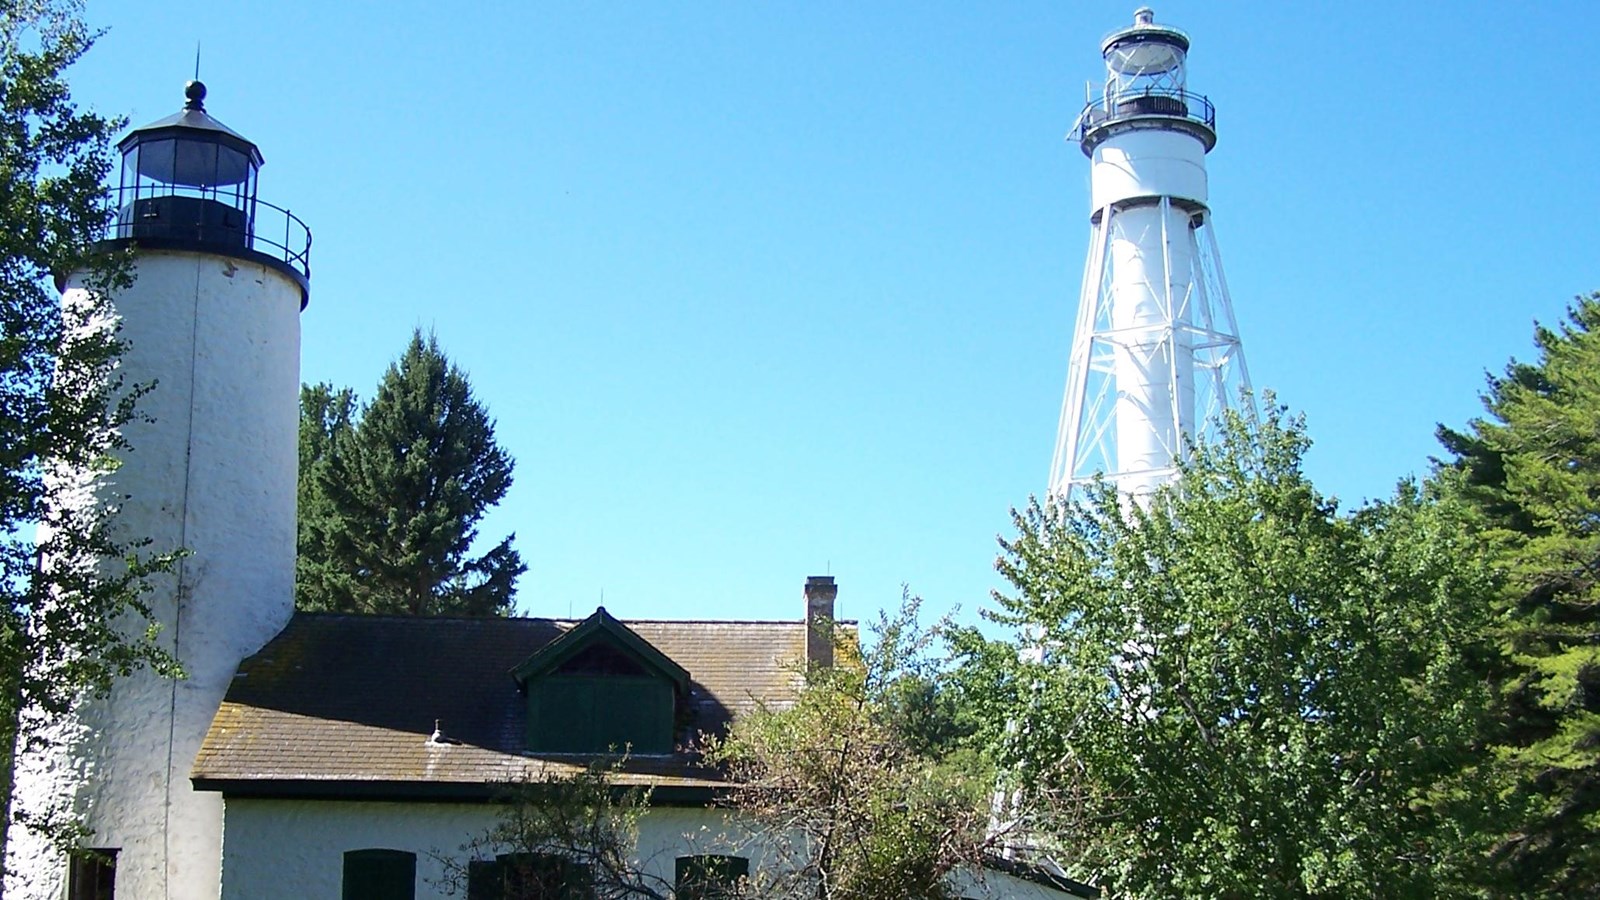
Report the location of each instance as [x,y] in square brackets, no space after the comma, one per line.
[528,876]
[92,875]
[380,875]
[710,877]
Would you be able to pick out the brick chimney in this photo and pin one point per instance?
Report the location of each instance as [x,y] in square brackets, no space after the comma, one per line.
[820,594]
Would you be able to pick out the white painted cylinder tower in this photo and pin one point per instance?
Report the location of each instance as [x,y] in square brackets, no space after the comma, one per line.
[1156,354]
[212,320]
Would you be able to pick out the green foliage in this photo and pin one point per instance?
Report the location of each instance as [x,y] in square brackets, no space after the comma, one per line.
[71,611]
[327,417]
[861,790]
[1531,469]
[1238,691]
[865,776]
[583,821]
[390,503]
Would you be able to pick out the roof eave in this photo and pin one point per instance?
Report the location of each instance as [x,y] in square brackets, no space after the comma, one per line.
[232,788]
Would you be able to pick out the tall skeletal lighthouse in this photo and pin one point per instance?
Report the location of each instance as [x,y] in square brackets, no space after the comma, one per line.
[1155,355]
[212,322]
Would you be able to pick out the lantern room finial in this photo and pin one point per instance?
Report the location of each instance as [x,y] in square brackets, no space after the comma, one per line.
[195,91]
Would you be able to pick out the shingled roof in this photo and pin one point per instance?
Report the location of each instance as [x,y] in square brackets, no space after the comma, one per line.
[343,705]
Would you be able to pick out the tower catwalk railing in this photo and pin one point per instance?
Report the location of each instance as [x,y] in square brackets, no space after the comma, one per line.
[209,217]
[1160,102]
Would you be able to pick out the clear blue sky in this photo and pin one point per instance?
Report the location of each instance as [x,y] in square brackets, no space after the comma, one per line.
[763,290]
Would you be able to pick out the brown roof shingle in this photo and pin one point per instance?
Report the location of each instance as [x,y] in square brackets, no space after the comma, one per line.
[341,700]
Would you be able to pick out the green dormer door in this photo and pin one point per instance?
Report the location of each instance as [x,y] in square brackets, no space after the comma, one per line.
[600,714]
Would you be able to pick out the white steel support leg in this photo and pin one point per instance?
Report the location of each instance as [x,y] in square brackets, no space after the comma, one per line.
[1225,301]
[1069,429]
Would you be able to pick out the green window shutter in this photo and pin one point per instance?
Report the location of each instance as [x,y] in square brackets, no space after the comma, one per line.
[540,876]
[633,712]
[710,877]
[484,880]
[380,875]
[561,715]
[600,713]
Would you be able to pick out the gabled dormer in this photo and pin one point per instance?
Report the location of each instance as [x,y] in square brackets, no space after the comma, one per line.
[601,688]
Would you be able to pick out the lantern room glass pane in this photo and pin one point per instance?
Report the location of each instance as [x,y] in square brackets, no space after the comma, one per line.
[233,167]
[193,163]
[1144,58]
[130,169]
[156,159]
[196,164]
[1139,67]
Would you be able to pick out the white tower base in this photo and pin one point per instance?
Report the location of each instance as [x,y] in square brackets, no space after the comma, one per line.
[213,471]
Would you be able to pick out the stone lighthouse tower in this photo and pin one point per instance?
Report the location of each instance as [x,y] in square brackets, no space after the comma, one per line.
[212,319]
[1155,355]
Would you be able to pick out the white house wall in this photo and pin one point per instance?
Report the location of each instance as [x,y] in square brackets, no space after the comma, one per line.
[295,848]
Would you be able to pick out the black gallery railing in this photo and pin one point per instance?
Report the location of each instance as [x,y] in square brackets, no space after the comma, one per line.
[1166,103]
[212,219]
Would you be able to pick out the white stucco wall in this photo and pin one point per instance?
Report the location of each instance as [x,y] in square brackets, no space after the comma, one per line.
[295,848]
[212,471]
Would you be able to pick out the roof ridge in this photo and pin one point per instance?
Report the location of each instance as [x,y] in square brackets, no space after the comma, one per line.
[732,621]
[402,617]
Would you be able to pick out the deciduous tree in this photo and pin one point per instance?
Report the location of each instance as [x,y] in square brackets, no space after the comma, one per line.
[571,837]
[1239,691]
[863,789]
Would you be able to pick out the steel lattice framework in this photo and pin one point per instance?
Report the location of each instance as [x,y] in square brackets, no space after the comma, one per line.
[1156,356]
[1194,344]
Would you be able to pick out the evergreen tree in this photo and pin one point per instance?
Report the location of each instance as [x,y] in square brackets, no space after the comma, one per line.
[70,621]
[390,523]
[1531,468]
[1239,691]
[327,416]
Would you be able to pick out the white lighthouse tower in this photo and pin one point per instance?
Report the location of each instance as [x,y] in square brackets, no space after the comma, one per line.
[212,319]
[1155,354]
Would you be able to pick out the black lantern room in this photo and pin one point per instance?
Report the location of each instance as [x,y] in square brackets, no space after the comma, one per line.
[190,177]
[189,183]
